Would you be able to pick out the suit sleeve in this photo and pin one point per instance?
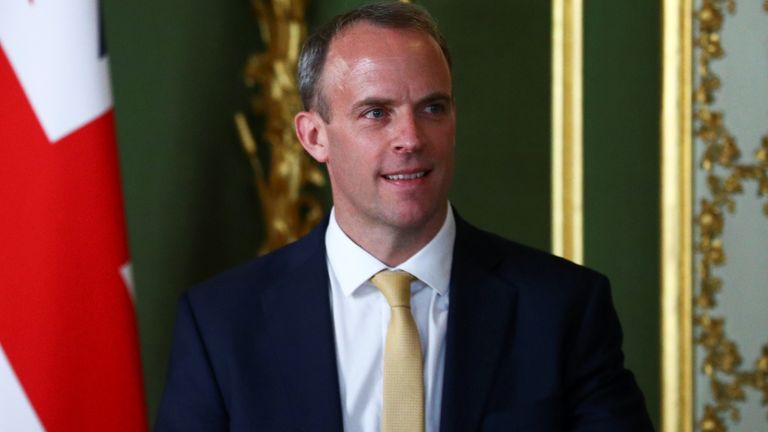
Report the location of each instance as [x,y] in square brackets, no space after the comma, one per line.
[192,400]
[602,394]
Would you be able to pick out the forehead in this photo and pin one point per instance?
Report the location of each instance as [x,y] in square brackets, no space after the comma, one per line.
[367,50]
[365,38]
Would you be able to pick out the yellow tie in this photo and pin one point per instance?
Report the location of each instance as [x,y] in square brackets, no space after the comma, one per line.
[403,409]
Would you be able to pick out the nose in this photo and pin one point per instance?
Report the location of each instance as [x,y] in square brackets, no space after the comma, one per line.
[408,137]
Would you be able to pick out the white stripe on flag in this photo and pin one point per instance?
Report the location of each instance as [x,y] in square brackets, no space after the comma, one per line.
[126,271]
[16,413]
[53,47]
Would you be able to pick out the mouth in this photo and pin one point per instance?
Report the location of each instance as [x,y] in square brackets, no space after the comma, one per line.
[406,176]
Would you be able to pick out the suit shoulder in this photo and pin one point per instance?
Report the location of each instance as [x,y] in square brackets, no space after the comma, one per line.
[530,267]
[258,274]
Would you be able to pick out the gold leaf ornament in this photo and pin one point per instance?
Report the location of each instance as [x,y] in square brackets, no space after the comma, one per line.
[284,175]
[721,360]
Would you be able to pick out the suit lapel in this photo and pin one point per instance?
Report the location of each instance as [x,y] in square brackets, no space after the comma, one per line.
[479,326]
[301,328]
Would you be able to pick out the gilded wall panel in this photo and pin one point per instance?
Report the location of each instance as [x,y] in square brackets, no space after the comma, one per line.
[731,234]
[728,249]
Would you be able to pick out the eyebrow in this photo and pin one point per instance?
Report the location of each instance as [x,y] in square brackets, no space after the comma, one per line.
[380,101]
[436,97]
[371,101]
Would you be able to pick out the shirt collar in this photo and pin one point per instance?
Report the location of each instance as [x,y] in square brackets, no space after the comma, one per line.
[353,265]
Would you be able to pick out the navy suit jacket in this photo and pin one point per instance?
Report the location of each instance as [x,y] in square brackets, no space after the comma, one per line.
[533,344]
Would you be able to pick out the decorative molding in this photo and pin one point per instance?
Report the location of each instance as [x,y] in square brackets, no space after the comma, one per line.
[676,216]
[567,130]
[686,108]
[289,210]
[722,361]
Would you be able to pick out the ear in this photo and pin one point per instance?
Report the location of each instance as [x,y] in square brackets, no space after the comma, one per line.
[310,129]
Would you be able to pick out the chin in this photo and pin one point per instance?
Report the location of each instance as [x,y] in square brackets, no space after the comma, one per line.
[417,218]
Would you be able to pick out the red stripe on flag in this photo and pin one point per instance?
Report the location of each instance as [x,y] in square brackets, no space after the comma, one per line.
[67,322]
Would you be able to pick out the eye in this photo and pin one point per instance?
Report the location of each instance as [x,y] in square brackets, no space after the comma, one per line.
[436,108]
[375,113]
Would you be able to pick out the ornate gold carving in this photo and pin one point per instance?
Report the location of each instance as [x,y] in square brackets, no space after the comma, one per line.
[722,362]
[289,210]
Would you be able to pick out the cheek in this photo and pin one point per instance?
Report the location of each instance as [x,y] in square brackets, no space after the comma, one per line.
[445,147]
[351,156]
[442,135]
[344,166]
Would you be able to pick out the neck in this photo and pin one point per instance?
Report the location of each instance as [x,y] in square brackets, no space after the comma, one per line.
[389,244]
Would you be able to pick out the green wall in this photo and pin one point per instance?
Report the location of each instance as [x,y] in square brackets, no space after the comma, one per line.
[192,211]
[190,206]
[621,164]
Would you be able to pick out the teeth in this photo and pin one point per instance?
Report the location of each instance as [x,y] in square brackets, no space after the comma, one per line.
[406,176]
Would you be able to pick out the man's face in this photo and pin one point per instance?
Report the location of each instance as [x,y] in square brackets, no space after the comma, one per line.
[390,136]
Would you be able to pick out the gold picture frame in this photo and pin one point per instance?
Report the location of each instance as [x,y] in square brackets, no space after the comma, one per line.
[676,218]
[567,130]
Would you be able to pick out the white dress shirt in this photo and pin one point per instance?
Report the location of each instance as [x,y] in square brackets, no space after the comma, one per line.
[361,315]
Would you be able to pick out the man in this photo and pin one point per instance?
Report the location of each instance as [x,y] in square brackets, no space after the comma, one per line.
[490,336]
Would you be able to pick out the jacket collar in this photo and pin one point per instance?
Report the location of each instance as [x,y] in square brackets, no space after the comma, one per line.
[301,324]
[479,326]
[479,322]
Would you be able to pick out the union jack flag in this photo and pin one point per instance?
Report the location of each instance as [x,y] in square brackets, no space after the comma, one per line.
[69,357]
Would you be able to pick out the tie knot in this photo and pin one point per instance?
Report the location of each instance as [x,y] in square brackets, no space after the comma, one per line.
[395,285]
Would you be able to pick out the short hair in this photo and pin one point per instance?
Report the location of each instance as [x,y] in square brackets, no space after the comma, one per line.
[387,14]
